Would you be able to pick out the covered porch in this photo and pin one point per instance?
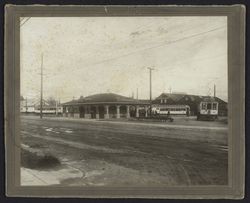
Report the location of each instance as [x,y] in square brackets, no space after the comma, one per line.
[106,111]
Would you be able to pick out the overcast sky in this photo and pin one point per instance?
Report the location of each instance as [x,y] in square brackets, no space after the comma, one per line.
[90,55]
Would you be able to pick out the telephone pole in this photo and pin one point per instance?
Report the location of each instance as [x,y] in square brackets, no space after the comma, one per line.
[56,107]
[41,97]
[214,90]
[26,105]
[150,88]
[137,93]
[170,90]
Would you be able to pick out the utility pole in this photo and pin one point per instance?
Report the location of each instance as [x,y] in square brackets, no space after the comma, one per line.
[214,90]
[150,88]
[41,97]
[137,93]
[56,107]
[26,105]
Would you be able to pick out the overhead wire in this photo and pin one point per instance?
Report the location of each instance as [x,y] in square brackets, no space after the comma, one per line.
[148,48]
[153,47]
[22,23]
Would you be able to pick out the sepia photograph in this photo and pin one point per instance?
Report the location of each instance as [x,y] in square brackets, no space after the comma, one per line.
[125,101]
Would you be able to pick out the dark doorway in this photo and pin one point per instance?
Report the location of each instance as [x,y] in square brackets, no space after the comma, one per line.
[93,111]
[132,111]
[101,112]
[112,111]
[81,111]
[123,111]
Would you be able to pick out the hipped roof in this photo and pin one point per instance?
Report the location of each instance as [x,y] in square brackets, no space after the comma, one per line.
[106,98]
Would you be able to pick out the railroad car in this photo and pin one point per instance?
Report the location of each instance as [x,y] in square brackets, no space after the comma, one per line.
[49,110]
[208,110]
[171,110]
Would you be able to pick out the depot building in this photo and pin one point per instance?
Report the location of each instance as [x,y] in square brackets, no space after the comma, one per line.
[105,106]
[109,105]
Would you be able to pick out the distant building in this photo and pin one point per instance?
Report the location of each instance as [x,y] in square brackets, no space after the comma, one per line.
[26,106]
[192,101]
[107,105]
[49,107]
[29,106]
[22,104]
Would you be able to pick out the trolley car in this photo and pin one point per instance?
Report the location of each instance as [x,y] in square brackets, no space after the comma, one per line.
[49,110]
[208,110]
[172,110]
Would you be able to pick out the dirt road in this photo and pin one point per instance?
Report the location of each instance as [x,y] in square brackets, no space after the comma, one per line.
[114,153]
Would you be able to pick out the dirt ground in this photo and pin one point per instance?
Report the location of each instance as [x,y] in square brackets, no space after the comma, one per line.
[132,153]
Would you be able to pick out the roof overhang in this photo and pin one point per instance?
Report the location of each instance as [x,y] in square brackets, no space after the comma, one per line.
[108,103]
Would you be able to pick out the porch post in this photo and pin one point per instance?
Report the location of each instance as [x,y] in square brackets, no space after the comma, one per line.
[87,112]
[97,112]
[137,111]
[77,112]
[146,113]
[118,111]
[106,115]
[127,113]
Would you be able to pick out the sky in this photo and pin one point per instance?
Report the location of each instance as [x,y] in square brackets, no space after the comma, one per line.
[90,55]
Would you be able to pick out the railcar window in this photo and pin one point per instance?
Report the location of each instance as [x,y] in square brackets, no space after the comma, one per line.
[203,106]
[214,106]
[209,106]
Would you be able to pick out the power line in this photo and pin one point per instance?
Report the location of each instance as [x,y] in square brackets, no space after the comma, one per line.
[150,88]
[21,24]
[22,19]
[190,28]
[199,59]
[161,45]
[137,93]
[164,44]
[137,30]
[153,47]
[41,99]
[202,59]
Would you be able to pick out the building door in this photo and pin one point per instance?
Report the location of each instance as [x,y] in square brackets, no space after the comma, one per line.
[101,112]
[81,111]
[93,111]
